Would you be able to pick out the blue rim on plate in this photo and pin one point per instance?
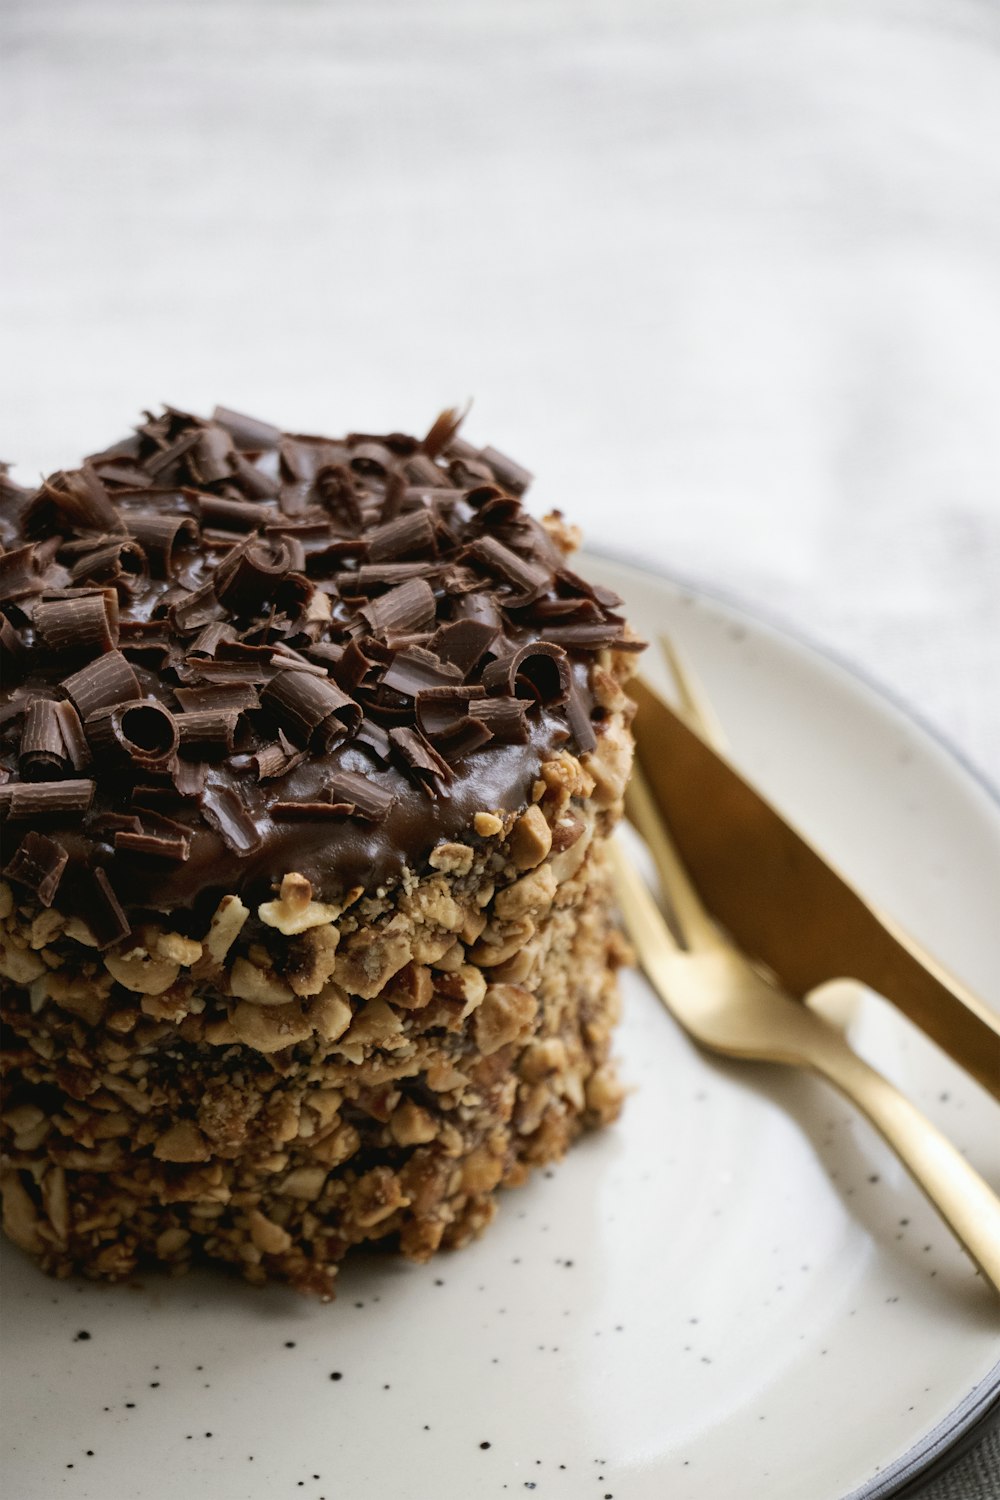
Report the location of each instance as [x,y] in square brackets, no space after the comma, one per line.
[979,1412]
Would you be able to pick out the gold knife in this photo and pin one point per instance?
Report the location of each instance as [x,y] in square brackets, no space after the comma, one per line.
[784,903]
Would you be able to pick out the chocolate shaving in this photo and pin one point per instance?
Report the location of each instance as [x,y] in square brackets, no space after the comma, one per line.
[506,718]
[20,575]
[248,433]
[511,475]
[313,710]
[370,800]
[113,561]
[237,696]
[442,431]
[72,501]
[374,738]
[80,626]
[144,733]
[409,535]
[365,580]
[407,608]
[156,835]
[589,636]
[43,755]
[38,864]
[530,579]
[101,683]
[225,811]
[309,812]
[208,729]
[438,709]
[43,799]
[74,739]
[189,777]
[95,902]
[538,670]
[250,575]
[13,652]
[413,670]
[233,515]
[463,642]
[461,738]
[420,756]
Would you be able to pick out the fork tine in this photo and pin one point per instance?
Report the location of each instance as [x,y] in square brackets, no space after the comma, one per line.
[691,922]
[694,700]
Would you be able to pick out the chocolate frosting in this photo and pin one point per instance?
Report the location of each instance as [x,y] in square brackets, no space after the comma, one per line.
[230,652]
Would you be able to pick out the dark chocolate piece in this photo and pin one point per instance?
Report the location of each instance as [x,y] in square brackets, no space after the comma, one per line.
[537,670]
[84,625]
[313,710]
[38,864]
[144,733]
[45,799]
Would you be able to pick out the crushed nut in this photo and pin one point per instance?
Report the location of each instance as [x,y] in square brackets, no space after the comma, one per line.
[487,824]
[507,1014]
[530,839]
[295,910]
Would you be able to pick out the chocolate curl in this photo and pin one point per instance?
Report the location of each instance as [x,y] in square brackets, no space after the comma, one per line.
[73,736]
[462,642]
[38,865]
[420,757]
[208,729]
[43,799]
[170,456]
[118,559]
[211,456]
[249,576]
[74,501]
[225,811]
[198,609]
[20,573]
[593,637]
[365,580]
[511,475]
[413,670]
[374,738]
[538,670]
[422,472]
[237,696]
[107,680]
[189,777]
[274,760]
[409,535]
[405,609]
[233,515]
[530,579]
[506,718]
[81,626]
[461,738]
[207,641]
[438,709]
[369,799]
[370,457]
[313,710]
[443,430]
[159,534]
[43,755]
[309,812]
[248,433]
[145,733]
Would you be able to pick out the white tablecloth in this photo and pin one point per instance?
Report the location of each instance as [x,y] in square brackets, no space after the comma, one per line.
[725,275]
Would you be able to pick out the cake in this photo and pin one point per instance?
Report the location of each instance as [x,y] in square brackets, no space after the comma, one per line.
[309,751]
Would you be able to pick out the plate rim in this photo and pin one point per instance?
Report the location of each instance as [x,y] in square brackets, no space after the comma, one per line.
[979,1411]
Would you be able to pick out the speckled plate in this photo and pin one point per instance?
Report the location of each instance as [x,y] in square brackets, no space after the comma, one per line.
[735,1291]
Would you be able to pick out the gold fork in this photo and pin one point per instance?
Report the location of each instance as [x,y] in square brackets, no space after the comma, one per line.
[731,1007]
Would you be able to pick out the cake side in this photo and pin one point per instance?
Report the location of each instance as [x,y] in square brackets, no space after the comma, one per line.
[362,1028]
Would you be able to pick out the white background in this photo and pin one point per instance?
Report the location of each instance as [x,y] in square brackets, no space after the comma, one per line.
[726,276]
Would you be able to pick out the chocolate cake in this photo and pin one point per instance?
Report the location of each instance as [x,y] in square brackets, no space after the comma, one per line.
[309,750]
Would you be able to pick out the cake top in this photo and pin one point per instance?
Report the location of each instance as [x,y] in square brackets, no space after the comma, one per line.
[229,652]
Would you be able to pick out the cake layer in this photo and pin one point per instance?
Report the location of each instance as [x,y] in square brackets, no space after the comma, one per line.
[277,1092]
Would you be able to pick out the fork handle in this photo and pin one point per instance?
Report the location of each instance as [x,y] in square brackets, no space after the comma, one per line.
[965,1202]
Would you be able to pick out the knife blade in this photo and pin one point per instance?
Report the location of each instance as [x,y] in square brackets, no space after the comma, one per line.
[785,905]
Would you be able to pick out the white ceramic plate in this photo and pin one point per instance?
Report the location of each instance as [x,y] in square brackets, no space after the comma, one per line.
[734,1291]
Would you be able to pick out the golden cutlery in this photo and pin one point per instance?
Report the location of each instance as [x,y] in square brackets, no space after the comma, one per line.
[783,902]
[729,1005]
